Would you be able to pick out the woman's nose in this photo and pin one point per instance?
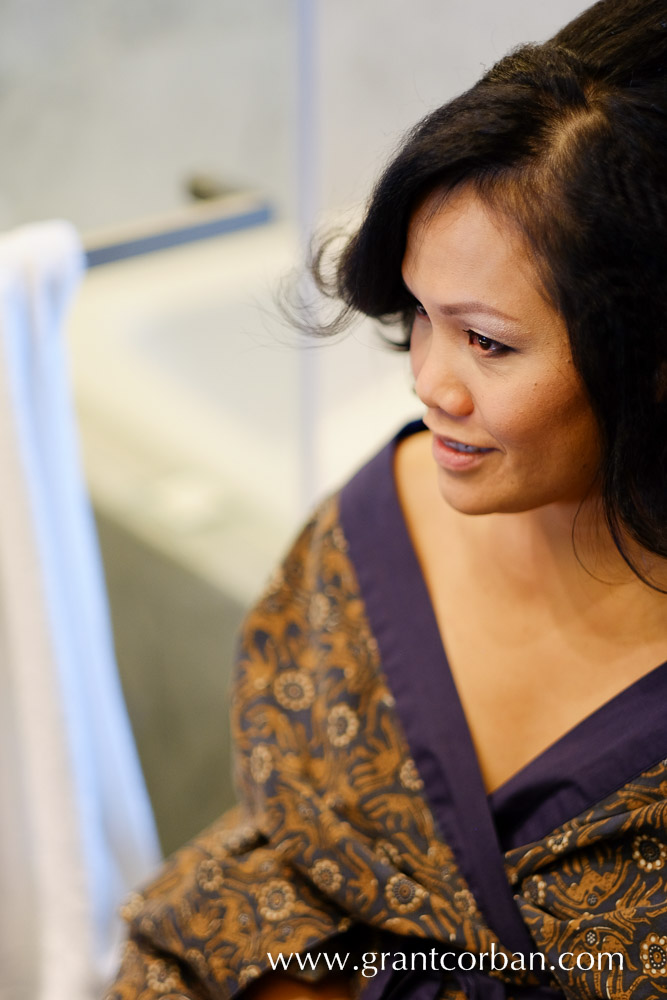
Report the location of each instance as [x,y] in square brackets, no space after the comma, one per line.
[438,383]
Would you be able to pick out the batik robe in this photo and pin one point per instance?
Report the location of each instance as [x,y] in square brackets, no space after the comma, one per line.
[364,825]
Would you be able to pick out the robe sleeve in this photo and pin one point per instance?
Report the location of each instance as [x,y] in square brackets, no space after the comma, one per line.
[227,904]
[594,898]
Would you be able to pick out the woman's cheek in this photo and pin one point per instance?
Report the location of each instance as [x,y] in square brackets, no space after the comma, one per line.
[512,419]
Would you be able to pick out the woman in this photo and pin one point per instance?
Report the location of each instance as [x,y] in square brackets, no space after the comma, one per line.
[490,822]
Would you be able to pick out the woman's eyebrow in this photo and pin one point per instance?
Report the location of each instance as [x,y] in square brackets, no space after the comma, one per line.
[470,306]
[474,306]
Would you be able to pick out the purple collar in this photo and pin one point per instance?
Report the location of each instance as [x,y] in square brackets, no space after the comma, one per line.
[620,740]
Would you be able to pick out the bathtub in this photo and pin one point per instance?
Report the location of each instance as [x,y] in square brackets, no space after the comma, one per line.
[207,424]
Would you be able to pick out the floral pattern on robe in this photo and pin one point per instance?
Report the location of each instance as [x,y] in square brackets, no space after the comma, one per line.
[334,844]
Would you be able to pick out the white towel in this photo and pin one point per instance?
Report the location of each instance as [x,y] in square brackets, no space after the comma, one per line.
[76,828]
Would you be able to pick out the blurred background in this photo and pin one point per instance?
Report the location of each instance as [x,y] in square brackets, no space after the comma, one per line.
[208,427]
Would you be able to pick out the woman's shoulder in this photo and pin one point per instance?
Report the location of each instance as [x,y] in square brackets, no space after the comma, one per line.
[351,510]
[413,466]
[376,474]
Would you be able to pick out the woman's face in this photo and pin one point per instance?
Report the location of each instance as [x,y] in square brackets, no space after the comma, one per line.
[513,429]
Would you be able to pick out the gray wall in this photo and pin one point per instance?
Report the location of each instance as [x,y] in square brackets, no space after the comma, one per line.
[107,106]
[385,63]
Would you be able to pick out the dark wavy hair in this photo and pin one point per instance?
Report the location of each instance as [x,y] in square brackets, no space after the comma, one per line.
[568,139]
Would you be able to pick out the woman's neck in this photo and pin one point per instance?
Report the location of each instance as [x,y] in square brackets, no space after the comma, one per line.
[563,557]
[556,556]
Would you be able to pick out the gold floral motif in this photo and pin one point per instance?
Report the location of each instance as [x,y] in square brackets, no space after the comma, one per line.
[294,690]
[654,955]
[410,776]
[649,853]
[276,899]
[466,902]
[162,977]
[261,763]
[249,973]
[209,875]
[326,875]
[403,894]
[342,725]
[559,843]
[197,961]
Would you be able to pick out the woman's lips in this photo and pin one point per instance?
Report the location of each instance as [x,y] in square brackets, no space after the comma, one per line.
[457,455]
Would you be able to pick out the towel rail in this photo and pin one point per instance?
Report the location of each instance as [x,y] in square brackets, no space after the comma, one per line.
[202,220]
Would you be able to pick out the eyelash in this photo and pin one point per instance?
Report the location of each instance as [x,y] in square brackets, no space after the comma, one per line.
[498,348]
[494,348]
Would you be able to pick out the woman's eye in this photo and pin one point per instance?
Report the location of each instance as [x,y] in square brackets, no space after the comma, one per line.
[419,309]
[485,343]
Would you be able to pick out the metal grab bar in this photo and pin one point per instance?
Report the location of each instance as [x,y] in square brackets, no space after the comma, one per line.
[201,220]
